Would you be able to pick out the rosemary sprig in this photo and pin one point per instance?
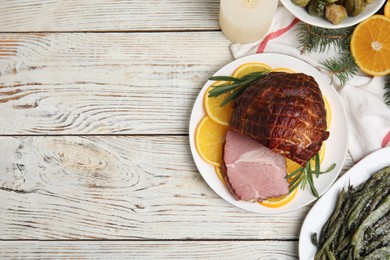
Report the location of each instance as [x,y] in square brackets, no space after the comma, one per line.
[304,175]
[236,86]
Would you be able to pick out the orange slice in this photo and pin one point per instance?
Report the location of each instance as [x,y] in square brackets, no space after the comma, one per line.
[279,201]
[209,139]
[292,166]
[387,9]
[283,70]
[328,112]
[220,175]
[250,67]
[212,105]
[370,45]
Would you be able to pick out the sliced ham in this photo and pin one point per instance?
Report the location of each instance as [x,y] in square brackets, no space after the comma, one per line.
[253,172]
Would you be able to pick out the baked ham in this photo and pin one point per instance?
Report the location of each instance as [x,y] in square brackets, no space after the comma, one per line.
[253,172]
[285,112]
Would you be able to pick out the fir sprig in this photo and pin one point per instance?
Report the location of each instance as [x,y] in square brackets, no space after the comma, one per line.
[319,39]
[386,96]
[316,39]
[343,68]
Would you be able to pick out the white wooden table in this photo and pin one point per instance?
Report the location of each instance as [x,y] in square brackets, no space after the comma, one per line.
[95,100]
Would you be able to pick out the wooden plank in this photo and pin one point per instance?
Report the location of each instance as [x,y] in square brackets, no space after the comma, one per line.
[140,83]
[99,15]
[149,249]
[119,188]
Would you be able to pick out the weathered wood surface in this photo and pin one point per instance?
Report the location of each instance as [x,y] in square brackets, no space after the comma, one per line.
[99,15]
[139,83]
[95,98]
[119,188]
[266,250]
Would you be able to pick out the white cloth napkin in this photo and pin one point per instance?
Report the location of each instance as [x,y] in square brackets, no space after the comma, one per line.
[368,115]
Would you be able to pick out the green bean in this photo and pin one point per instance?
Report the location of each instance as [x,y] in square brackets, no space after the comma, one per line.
[357,238]
[330,254]
[359,226]
[380,253]
[343,244]
[377,231]
[377,243]
[358,211]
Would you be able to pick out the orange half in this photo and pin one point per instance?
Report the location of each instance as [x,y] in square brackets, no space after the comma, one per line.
[370,45]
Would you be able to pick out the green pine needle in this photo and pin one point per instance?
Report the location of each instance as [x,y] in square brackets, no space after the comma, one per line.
[312,38]
[343,68]
[316,39]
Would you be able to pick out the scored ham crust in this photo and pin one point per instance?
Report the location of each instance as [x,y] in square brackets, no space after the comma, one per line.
[285,112]
[252,171]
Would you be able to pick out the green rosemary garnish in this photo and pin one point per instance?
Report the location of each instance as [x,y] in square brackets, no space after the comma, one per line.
[304,175]
[236,86]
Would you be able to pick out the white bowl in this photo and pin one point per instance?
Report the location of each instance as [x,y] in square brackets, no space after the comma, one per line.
[302,14]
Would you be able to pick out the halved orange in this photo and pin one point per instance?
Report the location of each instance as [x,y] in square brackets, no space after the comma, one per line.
[220,175]
[387,9]
[283,70]
[209,139]
[279,201]
[212,105]
[370,45]
[250,67]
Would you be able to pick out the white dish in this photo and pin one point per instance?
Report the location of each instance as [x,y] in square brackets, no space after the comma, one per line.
[324,207]
[335,146]
[302,14]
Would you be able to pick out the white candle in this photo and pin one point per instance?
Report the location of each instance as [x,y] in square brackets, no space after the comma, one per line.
[246,21]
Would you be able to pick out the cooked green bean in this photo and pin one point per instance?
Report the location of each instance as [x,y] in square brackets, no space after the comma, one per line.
[357,239]
[359,227]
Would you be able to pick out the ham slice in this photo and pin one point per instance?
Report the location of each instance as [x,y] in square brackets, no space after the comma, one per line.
[253,172]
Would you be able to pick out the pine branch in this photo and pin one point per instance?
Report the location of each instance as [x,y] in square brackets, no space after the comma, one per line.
[312,38]
[343,68]
[386,96]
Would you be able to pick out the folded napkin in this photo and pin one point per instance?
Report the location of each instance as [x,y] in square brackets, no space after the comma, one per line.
[362,96]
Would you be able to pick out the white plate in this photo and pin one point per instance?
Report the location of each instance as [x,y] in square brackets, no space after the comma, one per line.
[324,207]
[335,146]
[302,14]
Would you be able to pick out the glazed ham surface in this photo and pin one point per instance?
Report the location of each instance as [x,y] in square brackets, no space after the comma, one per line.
[253,172]
[285,112]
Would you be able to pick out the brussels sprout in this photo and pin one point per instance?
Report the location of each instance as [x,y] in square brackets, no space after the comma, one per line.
[317,7]
[302,3]
[354,7]
[335,13]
